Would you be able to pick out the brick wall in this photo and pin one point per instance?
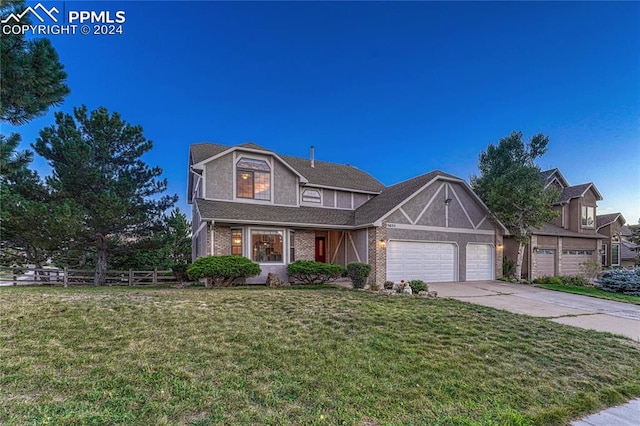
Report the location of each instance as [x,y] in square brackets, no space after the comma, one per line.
[378,255]
[221,240]
[305,244]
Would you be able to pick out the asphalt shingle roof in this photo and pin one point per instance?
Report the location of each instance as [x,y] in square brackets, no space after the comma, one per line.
[573,192]
[551,229]
[323,174]
[605,219]
[244,212]
[628,250]
[390,197]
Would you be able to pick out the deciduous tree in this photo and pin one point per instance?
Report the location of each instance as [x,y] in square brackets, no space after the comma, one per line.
[511,186]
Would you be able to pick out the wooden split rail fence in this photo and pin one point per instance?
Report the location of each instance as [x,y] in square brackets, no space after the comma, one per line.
[13,276]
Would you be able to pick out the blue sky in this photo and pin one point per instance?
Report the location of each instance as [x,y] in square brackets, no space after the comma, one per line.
[396,89]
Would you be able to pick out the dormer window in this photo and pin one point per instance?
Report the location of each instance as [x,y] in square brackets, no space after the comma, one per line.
[253,179]
[588,216]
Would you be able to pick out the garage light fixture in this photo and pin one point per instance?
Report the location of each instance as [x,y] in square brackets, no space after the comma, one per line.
[382,244]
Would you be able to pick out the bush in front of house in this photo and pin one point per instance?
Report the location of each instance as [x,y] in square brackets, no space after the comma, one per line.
[547,280]
[625,281]
[310,272]
[358,273]
[576,280]
[417,286]
[222,270]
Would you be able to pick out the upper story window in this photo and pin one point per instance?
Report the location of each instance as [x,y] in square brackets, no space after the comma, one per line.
[253,179]
[588,217]
[311,196]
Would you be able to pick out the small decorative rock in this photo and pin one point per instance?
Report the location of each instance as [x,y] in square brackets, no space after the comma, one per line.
[423,293]
[397,287]
[273,280]
[433,294]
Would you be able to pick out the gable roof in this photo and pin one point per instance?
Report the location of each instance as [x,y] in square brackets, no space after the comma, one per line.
[628,250]
[607,219]
[577,191]
[324,174]
[390,198]
[549,175]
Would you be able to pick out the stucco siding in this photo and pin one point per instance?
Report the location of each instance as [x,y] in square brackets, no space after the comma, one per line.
[473,209]
[328,198]
[398,217]
[413,208]
[285,185]
[579,243]
[219,178]
[359,199]
[344,200]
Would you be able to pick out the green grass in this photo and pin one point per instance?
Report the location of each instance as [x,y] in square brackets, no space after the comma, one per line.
[593,292]
[82,356]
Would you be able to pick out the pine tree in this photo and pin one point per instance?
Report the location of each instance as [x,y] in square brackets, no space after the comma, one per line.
[96,162]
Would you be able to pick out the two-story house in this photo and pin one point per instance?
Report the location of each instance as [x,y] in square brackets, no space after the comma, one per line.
[561,246]
[275,209]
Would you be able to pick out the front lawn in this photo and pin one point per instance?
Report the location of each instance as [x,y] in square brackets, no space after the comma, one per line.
[294,356]
[593,292]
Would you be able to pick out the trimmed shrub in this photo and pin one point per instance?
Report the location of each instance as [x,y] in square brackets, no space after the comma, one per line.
[417,285]
[310,272]
[358,272]
[222,270]
[576,280]
[388,285]
[625,281]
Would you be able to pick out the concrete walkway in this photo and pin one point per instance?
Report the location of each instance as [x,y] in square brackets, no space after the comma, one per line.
[564,308]
[571,309]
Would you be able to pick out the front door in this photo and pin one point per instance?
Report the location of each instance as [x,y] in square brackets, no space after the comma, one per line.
[321,249]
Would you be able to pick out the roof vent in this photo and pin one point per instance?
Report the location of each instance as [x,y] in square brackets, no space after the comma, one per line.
[312,154]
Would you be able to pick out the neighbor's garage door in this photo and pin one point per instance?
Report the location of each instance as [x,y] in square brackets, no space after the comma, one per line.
[571,260]
[429,262]
[546,260]
[479,262]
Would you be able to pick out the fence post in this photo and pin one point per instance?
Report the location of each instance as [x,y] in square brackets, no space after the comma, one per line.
[155,276]
[130,277]
[65,278]
[15,278]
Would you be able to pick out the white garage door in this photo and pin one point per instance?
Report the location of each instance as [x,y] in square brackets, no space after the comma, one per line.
[429,262]
[546,260]
[479,262]
[571,260]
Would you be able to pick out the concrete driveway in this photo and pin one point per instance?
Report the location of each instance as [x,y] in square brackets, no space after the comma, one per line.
[564,308]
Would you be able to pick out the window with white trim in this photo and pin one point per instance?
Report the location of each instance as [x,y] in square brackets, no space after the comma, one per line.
[253,179]
[615,251]
[267,246]
[588,216]
[292,246]
[604,255]
[236,242]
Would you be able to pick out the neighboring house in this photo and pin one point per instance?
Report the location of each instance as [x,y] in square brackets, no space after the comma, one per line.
[611,226]
[275,209]
[561,246]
